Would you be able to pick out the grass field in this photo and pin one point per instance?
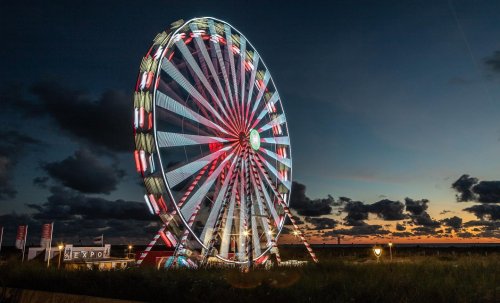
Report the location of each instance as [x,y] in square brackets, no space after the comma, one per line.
[452,277]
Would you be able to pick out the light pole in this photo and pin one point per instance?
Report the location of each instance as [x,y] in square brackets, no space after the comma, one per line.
[60,247]
[129,251]
[377,251]
[390,250]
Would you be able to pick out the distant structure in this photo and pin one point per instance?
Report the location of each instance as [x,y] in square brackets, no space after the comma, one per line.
[212,145]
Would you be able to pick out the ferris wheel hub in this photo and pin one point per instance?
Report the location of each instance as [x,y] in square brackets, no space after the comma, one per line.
[254,139]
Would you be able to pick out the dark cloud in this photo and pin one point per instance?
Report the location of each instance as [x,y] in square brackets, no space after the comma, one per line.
[13,145]
[104,123]
[424,231]
[403,234]
[445,211]
[465,234]
[362,230]
[307,207]
[400,227]
[417,210]
[322,223]
[485,211]
[493,62]
[357,212]
[41,181]
[482,223]
[84,172]
[453,222]
[388,210]
[470,189]
[63,204]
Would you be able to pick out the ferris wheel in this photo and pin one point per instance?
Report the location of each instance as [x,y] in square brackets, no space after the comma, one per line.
[212,143]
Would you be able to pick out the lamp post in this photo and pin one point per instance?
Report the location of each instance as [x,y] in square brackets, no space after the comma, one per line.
[377,251]
[129,251]
[390,250]
[60,247]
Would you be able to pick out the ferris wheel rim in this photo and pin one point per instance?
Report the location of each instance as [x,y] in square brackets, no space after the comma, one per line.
[168,187]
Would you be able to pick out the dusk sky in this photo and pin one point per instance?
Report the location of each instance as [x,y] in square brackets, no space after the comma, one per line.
[392,105]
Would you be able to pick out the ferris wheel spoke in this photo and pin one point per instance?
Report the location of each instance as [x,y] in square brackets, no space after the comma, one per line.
[242,230]
[208,61]
[275,122]
[268,200]
[271,168]
[200,75]
[251,84]
[262,212]
[285,161]
[285,140]
[167,139]
[218,52]
[255,233]
[173,106]
[226,234]
[270,106]
[173,72]
[262,89]
[189,207]
[216,211]
[243,54]
[229,51]
[180,174]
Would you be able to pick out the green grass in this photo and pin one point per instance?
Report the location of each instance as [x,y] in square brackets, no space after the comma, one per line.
[472,278]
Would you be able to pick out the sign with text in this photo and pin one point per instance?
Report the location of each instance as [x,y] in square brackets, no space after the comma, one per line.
[86,253]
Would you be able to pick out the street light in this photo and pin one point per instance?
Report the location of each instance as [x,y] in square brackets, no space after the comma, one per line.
[60,247]
[390,250]
[377,251]
[129,251]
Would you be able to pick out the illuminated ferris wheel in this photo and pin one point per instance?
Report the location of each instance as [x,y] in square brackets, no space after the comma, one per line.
[212,143]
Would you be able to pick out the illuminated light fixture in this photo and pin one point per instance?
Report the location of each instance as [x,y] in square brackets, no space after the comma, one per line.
[246,233]
[270,232]
[377,251]
[255,139]
[295,233]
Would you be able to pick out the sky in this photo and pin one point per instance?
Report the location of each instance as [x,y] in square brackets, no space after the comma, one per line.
[392,108]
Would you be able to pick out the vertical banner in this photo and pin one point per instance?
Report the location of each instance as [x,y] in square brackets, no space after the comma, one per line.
[1,238]
[46,235]
[21,236]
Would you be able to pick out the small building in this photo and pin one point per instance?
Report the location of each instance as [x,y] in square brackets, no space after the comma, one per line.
[75,257]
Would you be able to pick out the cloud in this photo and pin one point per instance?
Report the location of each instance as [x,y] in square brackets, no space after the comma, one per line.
[307,207]
[493,62]
[63,204]
[470,189]
[403,234]
[322,223]
[357,212]
[84,172]
[103,123]
[13,146]
[485,211]
[400,227]
[418,213]
[362,230]
[453,222]
[424,231]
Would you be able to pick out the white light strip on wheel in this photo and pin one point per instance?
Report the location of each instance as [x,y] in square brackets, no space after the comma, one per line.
[276,121]
[207,232]
[180,174]
[276,140]
[261,208]
[229,48]
[173,72]
[284,161]
[243,212]
[255,233]
[166,139]
[262,89]
[243,54]
[170,104]
[189,57]
[274,98]
[287,183]
[226,234]
[221,62]
[208,60]
[190,205]
[251,84]
[269,203]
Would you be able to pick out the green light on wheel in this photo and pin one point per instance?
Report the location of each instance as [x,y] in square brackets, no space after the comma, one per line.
[254,139]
